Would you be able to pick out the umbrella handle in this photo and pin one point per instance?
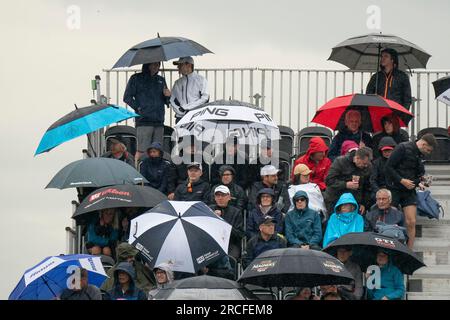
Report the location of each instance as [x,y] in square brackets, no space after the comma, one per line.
[135,230]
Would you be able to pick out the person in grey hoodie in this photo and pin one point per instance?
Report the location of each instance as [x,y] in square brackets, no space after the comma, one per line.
[353,291]
[163,275]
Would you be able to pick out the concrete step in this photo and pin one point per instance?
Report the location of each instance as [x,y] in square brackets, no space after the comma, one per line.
[427,296]
[433,272]
[429,231]
[431,279]
[437,169]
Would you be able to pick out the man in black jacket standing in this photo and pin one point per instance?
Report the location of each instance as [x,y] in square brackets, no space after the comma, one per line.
[404,171]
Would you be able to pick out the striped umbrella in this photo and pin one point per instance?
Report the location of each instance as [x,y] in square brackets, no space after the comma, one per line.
[442,89]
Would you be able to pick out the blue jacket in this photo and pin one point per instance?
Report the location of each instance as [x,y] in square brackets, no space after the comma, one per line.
[343,223]
[257,245]
[345,134]
[144,93]
[256,216]
[303,226]
[392,284]
[156,171]
[133,292]
[101,236]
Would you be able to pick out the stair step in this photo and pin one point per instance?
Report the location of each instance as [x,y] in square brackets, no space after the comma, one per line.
[437,285]
[427,296]
[434,272]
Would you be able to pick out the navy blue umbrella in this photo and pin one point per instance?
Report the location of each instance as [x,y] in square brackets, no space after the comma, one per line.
[160,49]
[80,122]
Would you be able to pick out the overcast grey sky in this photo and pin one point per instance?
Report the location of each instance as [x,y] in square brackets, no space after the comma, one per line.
[45,67]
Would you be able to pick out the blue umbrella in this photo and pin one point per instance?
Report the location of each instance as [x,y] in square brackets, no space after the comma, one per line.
[47,279]
[80,122]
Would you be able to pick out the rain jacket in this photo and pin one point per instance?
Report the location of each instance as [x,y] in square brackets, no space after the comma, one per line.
[238,196]
[345,134]
[343,223]
[256,216]
[281,195]
[126,157]
[395,86]
[133,292]
[320,169]
[233,216]
[399,137]
[200,191]
[189,92]
[156,170]
[355,290]
[378,175]
[257,245]
[170,278]
[143,277]
[102,236]
[144,93]
[303,226]
[238,163]
[392,284]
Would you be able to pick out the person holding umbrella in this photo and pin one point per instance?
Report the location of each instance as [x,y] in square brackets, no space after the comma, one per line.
[355,290]
[147,93]
[393,83]
[392,285]
[101,233]
[227,178]
[85,291]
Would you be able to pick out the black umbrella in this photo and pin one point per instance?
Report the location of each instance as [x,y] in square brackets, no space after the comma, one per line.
[442,89]
[160,49]
[204,288]
[295,267]
[365,245]
[120,196]
[95,172]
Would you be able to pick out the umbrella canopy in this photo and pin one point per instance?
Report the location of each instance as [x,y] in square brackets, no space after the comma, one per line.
[442,89]
[215,122]
[120,196]
[47,279]
[366,244]
[160,49]
[372,107]
[204,288]
[292,267]
[80,122]
[186,234]
[362,52]
[95,172]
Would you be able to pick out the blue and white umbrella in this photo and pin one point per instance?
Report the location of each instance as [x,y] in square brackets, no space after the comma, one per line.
[80,122]
[186,234]
[47,279]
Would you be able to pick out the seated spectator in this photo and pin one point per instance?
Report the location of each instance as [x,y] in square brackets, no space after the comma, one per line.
[303,226]
[266,239]
[227,178]
[125,252]
[317,161]
[232,215]
[128,214]
[269,176]
[102,235]
[391,129]
[348,146]
[302,183]
[258,160]
[353,291]
[345,219]
[155,169]
[220,268]
[350,174]
[378,175]
[392,284]
[304,293]
[352,131]
[331,296]
[329,292]
[163,275]
[194,188]
[82,291]
[119,152]
[265,206]
[383,211]
[124,286]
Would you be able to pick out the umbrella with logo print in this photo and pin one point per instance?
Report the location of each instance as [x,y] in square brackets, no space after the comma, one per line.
[365,245]
[186,234]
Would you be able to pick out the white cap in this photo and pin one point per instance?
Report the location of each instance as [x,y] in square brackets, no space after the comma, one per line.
[269,170]
[184,60]
[223,189]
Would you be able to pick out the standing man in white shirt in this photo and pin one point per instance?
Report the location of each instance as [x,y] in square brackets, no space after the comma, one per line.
[190,91]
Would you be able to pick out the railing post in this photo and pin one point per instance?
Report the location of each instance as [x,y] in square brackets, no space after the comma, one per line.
[416,119]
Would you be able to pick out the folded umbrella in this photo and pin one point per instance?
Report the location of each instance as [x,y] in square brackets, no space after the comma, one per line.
[442,89]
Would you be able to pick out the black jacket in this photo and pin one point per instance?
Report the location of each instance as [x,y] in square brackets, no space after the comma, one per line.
[200,192]
[398,87]
[257,245]
[345,134]
[233,216]
[239,162]
[238,196]
[281,195]
[156,171]
[405,162]
[399,137]
[178,174]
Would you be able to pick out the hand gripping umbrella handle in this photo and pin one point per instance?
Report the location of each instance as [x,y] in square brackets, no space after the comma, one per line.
[135,230]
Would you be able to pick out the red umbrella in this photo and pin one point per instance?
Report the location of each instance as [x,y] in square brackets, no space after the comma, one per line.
[372,107]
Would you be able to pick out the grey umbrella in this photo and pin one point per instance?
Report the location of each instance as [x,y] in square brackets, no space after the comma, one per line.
[95,172]
[363,52]
[160,49]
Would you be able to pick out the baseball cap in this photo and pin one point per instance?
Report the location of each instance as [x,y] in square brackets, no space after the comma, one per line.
[267,220]
[302,169]
[387,148]
[223,189]
[184,60]
[195,164]
[269,170]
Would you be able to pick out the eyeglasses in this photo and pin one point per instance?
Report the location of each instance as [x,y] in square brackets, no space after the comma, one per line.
[300,200]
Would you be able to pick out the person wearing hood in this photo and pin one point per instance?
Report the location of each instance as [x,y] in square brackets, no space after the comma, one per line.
[194,188]
[147,93]
[350,173]
[317,161]
[265,206]
[155,169]
[119,152]
[352,131]
[124,285]
[345,219]
[164,276]
[227,178]
[378,175]
[125,252]
[392,286]
[391,128]
[303,227]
